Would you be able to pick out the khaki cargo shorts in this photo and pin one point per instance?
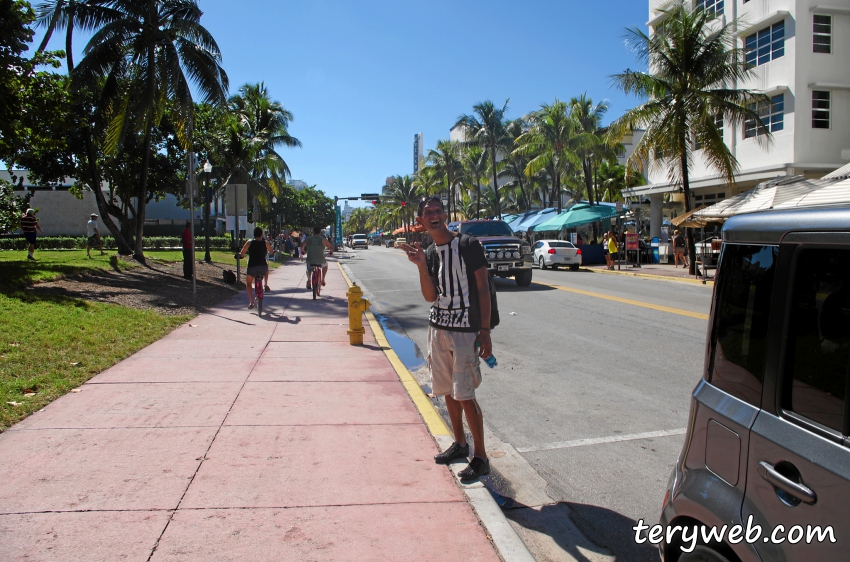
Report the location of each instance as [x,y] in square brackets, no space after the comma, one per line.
[453,360]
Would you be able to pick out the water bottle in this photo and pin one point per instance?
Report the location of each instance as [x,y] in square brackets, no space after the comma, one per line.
[490,359]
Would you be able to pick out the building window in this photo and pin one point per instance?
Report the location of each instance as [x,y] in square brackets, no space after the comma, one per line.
[718,122]
[772,115]
[820,109]
[714,7]
[765,45]
[822,34]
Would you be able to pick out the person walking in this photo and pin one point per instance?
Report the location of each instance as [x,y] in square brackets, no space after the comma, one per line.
[679,249]
[257,249]
[188,251]
[454,279]
[29,225]
[613,249]
[93,238]
[301,245]
[313,247]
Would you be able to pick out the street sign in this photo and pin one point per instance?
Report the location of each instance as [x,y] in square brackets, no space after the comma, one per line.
[619,206]
[337,225]
[236,199]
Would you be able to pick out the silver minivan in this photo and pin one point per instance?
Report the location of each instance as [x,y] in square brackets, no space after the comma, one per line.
[764,473]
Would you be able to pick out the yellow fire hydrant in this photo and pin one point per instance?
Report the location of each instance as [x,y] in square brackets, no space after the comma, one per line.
[357,305]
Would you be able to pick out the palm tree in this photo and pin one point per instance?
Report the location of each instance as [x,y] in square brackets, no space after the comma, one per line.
[474,161]
[404,194]
[550,144]
[693,63]
[514,164]
[447,167]
[264,127]
[68,14]
[145,53]
[588,118]
[486,127]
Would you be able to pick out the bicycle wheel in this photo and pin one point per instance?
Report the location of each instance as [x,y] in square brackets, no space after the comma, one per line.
[314,279]
[259,307]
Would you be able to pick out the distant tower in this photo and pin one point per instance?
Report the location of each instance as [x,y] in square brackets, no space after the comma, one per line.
[418,152]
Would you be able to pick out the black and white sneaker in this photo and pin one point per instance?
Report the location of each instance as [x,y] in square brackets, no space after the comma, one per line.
[476,469]
[454,452]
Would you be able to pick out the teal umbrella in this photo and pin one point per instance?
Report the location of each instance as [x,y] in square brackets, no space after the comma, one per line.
[576,216]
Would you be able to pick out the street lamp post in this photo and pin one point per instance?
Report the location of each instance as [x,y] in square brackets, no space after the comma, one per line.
[207,196]
[274,202]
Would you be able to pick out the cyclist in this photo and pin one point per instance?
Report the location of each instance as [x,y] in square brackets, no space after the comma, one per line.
[257,250]
[315,249]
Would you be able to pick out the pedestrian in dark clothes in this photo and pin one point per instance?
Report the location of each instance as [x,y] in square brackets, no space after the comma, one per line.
[188,251]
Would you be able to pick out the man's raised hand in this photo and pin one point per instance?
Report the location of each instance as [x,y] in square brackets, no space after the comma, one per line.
[415,253]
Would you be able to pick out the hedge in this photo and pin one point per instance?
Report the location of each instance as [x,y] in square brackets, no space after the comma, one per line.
[79,243]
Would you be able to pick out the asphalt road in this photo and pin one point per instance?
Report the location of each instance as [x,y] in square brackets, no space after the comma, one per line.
[589,363]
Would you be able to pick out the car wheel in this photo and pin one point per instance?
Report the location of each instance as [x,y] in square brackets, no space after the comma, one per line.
[702,554]
[574,267]
[523,279]
[541,263]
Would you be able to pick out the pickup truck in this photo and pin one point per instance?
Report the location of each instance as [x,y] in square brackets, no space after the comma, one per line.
[507,255]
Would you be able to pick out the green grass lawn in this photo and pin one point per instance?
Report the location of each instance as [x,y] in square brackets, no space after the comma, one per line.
[17,270]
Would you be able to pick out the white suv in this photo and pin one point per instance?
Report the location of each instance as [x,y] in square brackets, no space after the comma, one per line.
[359,240]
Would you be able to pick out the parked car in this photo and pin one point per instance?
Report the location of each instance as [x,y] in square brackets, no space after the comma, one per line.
[769,425]
[507,256]
[555,253]
[359,241]
[389,243]
[400,240]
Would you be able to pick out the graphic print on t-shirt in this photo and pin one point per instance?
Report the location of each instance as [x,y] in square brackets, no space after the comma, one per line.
[452,307]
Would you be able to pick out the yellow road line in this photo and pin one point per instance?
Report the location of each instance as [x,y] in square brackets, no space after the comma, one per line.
[423,404]
[628,301]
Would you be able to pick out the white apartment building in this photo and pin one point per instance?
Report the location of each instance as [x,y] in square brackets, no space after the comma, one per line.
[800,51]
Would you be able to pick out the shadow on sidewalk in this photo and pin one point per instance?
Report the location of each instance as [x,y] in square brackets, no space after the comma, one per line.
[603,531]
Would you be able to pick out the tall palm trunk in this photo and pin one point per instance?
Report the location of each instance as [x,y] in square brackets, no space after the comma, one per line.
[142,195]
[686,189]
[477,197]
[102,205]
[69,52]
[524,196]
[496,197]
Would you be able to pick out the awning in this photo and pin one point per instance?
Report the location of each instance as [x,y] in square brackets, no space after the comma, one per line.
[531,219]
[781,193]
[414,228]
[578,215]
[689,221]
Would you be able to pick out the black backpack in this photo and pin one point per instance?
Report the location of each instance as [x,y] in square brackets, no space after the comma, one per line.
[464,242]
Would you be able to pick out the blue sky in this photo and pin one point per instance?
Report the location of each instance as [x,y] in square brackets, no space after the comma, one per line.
[363,77]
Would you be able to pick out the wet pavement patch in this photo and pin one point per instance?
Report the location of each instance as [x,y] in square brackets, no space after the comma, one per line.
[406,349]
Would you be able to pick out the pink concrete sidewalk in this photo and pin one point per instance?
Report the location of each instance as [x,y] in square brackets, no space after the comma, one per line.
[237,438]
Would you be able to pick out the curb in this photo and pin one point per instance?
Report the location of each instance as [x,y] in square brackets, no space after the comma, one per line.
[505,539]
[650,276]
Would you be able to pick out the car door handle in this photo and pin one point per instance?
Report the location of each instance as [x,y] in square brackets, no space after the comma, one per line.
[799,491]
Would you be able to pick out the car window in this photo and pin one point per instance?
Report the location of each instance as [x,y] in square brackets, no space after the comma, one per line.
[560,245]
[539,245]
[486,228]
[818,337]
[741,318]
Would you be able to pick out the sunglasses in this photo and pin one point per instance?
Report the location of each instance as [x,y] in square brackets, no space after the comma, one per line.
[425,200]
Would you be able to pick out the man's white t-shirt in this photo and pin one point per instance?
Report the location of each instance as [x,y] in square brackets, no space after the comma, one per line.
[90,228]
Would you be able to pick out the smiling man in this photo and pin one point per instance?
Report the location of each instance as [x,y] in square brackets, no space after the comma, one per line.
[454,279]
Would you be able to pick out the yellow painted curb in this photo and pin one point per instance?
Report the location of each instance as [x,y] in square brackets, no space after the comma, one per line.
[641,304]
[423,404]
[650,276]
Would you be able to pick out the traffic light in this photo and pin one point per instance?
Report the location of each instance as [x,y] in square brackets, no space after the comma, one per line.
[404,203]
[250,216]
[374,202]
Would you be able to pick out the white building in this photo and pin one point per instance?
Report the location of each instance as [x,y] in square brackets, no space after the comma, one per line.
[800,50]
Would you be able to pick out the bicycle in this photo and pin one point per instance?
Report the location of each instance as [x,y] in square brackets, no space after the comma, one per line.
[316,279]
[258,294]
